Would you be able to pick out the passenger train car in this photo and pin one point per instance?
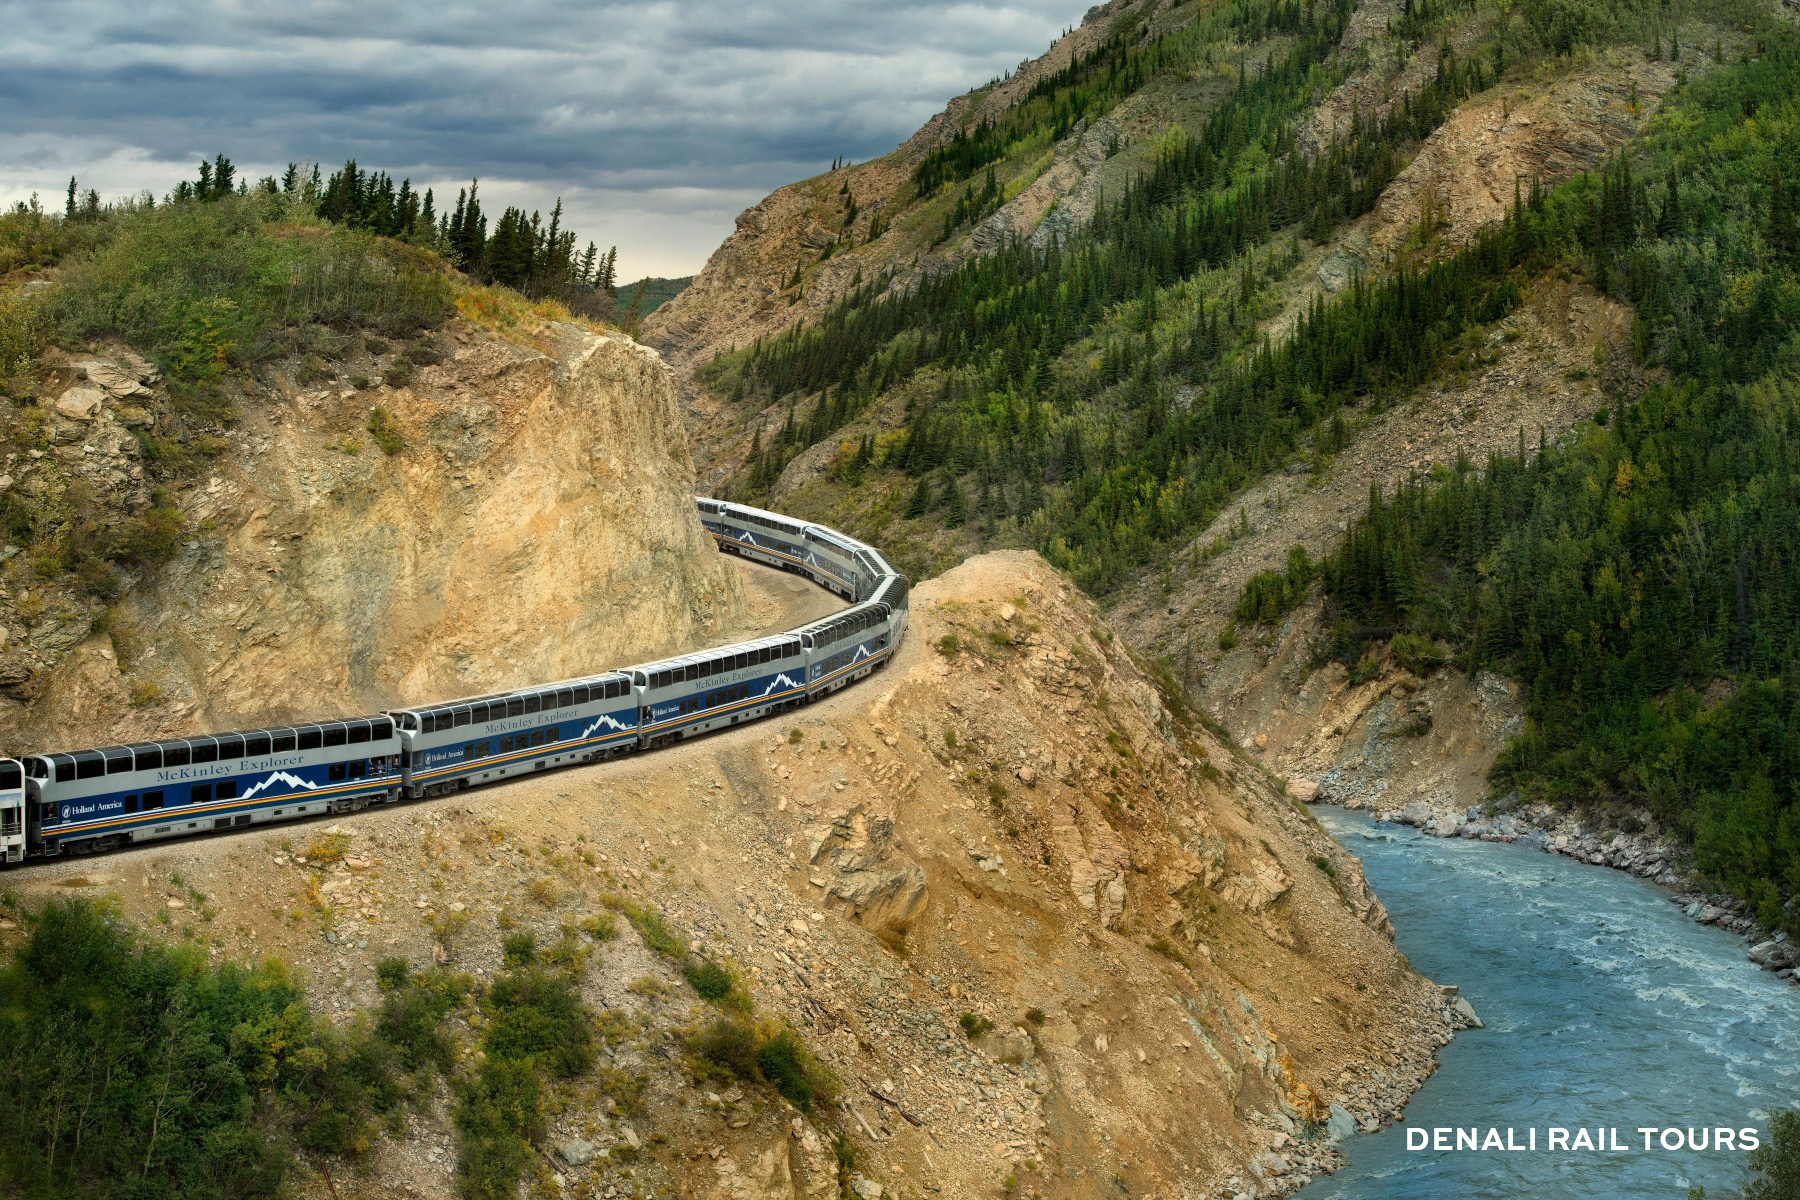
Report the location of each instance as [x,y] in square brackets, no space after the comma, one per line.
[82,801]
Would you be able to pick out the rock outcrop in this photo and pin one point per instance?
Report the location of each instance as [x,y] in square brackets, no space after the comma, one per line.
[535,522]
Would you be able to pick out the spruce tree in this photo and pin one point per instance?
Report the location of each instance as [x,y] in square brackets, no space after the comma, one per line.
[920,501]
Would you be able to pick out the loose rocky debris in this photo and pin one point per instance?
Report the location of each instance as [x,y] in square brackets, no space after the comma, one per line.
[1041,925]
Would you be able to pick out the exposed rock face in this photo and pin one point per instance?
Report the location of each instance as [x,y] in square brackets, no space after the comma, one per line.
[537,524]
[742,293]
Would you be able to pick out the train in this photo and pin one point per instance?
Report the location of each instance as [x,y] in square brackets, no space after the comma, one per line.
[88,801]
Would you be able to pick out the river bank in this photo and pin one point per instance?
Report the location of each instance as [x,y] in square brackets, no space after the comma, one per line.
[1635,844]
[1604,1007]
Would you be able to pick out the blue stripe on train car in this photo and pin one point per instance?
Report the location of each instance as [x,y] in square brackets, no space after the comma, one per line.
[183,794]
[673,712]
[439,763]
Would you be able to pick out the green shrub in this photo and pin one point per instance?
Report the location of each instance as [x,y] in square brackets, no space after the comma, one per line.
[519,949]
[391,974]
[1271,595]
[1417,653]
[412,1014]
[650,926]
[386,433]
[974,1025]
[193,1075]
[499,1114]
[711,980]
[601,927]
[534,1016]
[729,1044]
[792,1069]
[398,375]
[1775,1165]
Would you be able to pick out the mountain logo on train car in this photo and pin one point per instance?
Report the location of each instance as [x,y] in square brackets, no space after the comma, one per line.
[293,781]
[605,721]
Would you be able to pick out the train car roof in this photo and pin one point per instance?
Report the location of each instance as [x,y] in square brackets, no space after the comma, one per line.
[372,723]
[536,689]
[700,656]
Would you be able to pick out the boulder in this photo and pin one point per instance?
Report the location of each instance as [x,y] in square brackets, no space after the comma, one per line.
[115,380]
[1417,813]
[80,403]
[1446,827]
[1762,952]
[577,1152]
[1304,790]
[1465,1013]
[1340,1124]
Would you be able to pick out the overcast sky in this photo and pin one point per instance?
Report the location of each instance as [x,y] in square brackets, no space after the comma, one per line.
[656,122]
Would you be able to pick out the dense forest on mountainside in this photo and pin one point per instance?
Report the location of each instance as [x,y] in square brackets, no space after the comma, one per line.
[1101,397]
[1642,578]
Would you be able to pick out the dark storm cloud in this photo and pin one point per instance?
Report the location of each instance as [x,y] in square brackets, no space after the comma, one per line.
[656,122]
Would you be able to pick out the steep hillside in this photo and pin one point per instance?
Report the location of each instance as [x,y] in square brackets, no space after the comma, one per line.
[1047,932]
[1075,359]
[382,532]
[1394,241]
[803,245]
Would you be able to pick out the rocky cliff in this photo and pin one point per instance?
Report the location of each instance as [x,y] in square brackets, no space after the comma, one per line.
[510,512]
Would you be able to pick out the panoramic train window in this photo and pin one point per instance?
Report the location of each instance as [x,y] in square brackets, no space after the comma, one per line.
[203,752]
[256,745]
[311,739]
[230,748]
[281,743]
[89,766]
[381,729]
[358,731]
[336,735]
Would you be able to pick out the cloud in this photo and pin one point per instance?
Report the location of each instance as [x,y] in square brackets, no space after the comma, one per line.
[656,122]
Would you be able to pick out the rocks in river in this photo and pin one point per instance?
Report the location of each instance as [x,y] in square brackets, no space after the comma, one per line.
[1464,1013]
[1340,1124]
[1445,827]
[1774,954]
[1417,813]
